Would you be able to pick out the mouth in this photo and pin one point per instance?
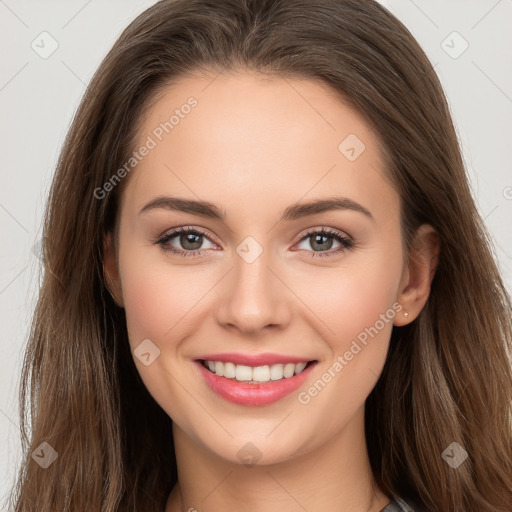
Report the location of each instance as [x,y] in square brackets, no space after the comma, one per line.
[260,385]
[255,374]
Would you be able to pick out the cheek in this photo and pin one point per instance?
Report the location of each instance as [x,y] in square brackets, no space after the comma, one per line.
[352,297]
[150,306]
[159,301]
[355,306]
[159,297]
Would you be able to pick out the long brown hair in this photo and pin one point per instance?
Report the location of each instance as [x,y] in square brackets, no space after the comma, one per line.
[448,374]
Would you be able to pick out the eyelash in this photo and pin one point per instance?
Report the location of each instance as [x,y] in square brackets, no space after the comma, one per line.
[346,243]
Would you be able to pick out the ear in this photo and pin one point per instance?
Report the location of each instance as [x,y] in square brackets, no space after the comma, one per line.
[418,273]
[110,270]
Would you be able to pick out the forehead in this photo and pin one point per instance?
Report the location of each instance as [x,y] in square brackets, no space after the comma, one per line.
[258,137]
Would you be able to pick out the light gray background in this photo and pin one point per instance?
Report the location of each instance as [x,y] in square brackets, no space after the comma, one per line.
[39,96]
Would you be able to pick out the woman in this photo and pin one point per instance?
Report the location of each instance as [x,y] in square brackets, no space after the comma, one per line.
[263,367]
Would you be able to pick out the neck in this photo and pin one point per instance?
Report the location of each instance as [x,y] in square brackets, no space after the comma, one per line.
[333,477]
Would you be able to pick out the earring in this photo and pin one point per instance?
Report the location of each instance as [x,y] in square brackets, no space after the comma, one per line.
[406,314]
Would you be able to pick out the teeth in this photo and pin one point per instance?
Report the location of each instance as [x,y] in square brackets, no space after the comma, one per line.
[276,372]
[229,370]
[289,370]
[243,373]
[261,373]
[299,367]
[219,369]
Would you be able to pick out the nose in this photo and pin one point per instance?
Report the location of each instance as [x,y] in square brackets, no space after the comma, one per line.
[254,298]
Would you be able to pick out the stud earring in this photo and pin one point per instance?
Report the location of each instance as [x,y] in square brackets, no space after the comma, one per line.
[406,314]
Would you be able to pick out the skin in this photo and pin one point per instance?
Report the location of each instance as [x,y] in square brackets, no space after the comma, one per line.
[254,146]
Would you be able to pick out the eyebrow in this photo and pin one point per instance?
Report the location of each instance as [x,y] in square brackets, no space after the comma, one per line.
[293,212]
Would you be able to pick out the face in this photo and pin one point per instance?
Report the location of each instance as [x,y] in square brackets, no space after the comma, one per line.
[251,278]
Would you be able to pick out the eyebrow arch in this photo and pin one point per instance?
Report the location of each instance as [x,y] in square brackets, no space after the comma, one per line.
[296,211]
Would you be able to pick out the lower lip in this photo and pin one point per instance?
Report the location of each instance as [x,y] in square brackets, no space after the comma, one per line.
[254,394]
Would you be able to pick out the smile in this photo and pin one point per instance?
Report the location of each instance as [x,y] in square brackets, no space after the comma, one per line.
[259,385]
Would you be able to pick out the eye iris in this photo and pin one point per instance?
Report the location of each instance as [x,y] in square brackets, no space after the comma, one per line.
[322,245]
[190,238]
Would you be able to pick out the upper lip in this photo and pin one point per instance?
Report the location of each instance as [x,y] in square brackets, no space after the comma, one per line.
[254,359]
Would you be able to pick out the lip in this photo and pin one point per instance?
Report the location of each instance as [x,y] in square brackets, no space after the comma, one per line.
[254,359]
[253,395]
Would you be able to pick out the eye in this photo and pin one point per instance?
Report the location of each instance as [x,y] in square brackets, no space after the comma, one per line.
[321,241]
[190,239]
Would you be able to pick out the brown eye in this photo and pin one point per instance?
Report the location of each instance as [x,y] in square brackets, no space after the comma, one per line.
[190,241]
[184,241]
[322,241]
